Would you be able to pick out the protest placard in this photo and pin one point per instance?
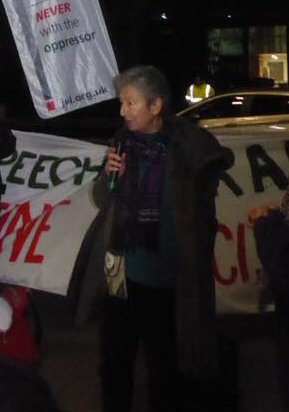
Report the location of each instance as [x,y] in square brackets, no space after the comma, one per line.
[65,51]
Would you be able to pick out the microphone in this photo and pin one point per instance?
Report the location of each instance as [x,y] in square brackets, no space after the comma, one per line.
[113,176]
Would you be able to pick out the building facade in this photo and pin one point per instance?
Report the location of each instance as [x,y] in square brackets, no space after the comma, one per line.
[248,54]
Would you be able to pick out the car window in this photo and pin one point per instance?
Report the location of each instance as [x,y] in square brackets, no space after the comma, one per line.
[228,106]
[269,105]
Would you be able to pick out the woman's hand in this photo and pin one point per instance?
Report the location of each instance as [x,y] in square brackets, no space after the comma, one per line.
[114,163]
[258,212]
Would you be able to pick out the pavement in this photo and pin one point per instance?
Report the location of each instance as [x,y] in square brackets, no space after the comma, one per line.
[71,360]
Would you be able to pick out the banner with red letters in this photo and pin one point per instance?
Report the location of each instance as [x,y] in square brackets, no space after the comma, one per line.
[65,51]
[258,177]
[47,209]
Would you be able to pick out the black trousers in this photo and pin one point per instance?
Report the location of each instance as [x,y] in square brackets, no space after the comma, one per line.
[147,316]
[281,300]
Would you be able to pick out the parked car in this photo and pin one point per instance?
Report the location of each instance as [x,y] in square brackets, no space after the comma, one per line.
[240,107]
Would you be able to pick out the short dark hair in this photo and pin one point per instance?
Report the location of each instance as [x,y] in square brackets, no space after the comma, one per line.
[150,80]
[7,142]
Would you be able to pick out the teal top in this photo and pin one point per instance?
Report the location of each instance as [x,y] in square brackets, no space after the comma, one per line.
[144,267]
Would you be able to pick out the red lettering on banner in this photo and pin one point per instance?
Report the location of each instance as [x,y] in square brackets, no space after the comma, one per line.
[241,257]
[234,271]
[22,214]
[22,235]
[53,11]
[25,224]
[4,218]
[31,256]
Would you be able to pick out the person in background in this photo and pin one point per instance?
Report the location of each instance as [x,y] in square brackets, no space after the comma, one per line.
[18,328]
[7,142]
[163,221]
[199,90]
[271,229]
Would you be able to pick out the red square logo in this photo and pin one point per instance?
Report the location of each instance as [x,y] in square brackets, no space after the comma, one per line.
[51,105]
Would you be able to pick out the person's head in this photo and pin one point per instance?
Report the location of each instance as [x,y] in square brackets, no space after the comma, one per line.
[7,142]
[199,79]
[144,96]
[7,148]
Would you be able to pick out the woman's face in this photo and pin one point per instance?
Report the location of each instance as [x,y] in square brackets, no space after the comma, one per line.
[139,115]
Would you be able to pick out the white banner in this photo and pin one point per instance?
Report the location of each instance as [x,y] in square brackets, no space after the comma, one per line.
[258,177]
[47,209]
[65,51]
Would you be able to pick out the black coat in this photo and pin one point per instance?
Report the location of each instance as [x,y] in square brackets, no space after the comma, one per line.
[195,163]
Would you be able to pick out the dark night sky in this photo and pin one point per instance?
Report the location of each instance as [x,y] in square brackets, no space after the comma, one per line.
[139,36]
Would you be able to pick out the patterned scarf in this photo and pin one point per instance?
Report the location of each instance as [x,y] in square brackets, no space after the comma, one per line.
[139,196]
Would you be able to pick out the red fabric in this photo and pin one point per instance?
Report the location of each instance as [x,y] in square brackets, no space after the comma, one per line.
[19,341]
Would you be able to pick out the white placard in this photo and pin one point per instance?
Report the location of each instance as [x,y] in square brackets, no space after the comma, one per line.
[65,51]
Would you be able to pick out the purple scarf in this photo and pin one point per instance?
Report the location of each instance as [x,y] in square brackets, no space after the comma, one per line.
[139,196]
